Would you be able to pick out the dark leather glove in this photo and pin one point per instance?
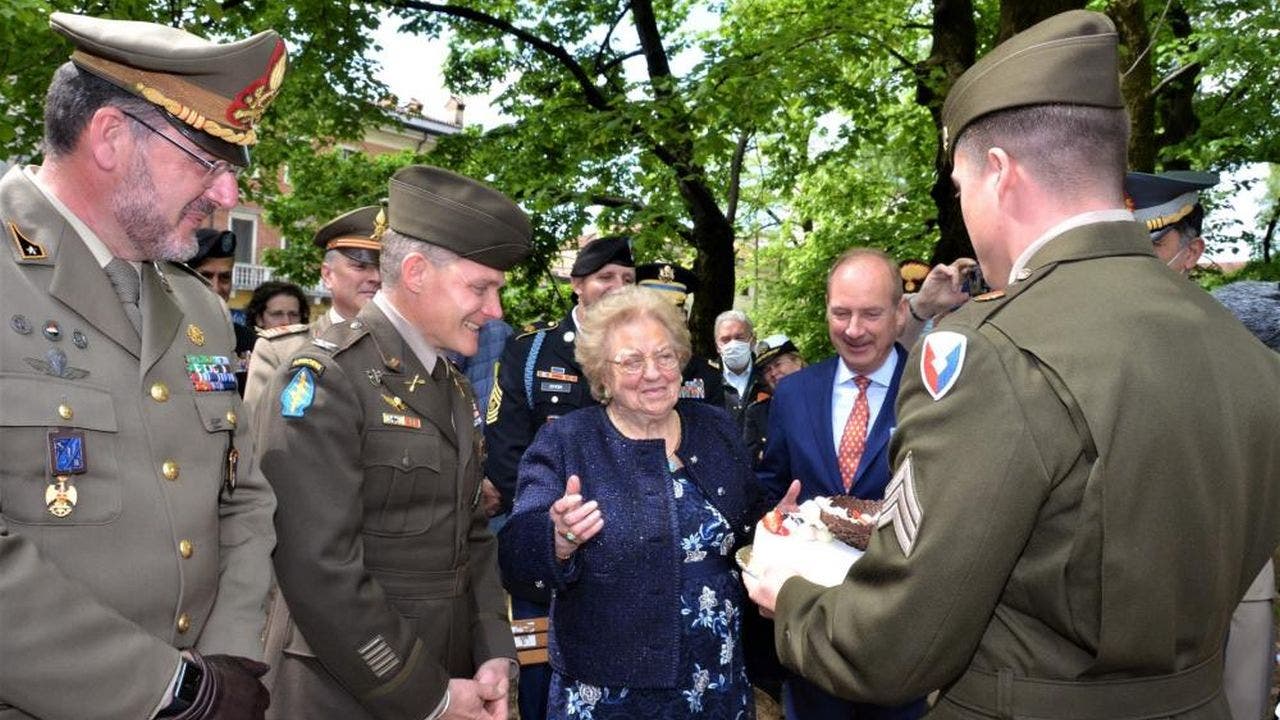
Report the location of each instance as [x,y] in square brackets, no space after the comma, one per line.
[230,689]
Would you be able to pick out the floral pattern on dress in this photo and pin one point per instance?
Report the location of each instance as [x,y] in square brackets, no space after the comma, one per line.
[714,684]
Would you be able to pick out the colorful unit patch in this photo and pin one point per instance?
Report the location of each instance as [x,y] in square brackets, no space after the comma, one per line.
[316,366]
[941,360]
[211,373]
[67,452]
[298,395]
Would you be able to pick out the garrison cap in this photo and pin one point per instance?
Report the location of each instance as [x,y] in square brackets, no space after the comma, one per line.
[212,93]
[356,234]
[459,214]
[674,282]
[213,243]
[1068,59]
[610,250]
[772,348]
[1159,201]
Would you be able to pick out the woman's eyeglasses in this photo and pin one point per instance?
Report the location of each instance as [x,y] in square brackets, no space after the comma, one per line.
[633,362]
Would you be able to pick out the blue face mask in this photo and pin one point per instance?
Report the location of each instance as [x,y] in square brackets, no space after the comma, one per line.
[736,354]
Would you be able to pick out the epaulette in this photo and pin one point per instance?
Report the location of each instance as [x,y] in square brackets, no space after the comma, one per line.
[534,328]
[340,336]
[281,330]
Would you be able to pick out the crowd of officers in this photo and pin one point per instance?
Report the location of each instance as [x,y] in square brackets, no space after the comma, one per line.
[160,537]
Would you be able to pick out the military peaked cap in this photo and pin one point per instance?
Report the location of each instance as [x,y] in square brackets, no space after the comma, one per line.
[673,281]
[1068,59]
[212,93]
[459,214]
[1162,200]
[610,250]
[772,348]
[356,234]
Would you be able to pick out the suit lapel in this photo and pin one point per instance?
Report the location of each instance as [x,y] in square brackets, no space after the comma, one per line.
[878,436]
[161,316]
[820,423]
[405,378]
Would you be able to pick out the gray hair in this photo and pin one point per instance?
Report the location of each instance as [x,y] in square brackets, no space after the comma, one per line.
[736,315]
[624,305]
[73,97]
[1074,150]
[397,246]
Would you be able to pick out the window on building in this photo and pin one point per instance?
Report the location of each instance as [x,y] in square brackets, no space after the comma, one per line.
[246,229]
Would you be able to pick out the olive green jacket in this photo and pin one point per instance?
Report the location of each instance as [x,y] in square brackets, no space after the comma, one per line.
[155,555]
[1095,493]
[384,556]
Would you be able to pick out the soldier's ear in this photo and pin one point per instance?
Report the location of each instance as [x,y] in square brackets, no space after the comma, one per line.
[416,272]
[108,139]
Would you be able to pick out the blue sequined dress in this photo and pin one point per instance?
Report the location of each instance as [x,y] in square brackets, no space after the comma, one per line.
[713,684]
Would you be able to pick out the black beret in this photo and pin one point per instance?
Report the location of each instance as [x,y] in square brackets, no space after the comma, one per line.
[676,282]
[1159,201]
[610,250]
[356,234]
[1068,59]
[213,243]
[459,214]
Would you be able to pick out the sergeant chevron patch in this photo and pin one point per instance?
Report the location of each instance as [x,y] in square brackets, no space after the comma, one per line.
[901,507]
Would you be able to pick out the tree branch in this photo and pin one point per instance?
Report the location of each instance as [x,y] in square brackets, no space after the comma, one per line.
[655,54]
[589,90]
[735,176]
[604,44]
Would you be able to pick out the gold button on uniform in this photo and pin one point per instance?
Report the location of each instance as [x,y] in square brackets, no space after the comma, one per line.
[185,549]
[184,623]
[231,418]
[64,411]
[159,392]
[170,470]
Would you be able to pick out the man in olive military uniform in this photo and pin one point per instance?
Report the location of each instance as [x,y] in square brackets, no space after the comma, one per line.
[1040,552]
[370,440]
[702,380]
[135,535]
[1168,204]
[349,271]
[538,380]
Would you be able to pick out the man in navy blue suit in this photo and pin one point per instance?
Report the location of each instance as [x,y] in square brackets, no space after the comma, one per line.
[830,424]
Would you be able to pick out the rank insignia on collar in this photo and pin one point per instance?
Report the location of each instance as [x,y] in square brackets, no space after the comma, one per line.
[941,359]
[987,296]
[374,375]
[404,421]
[298,395]
[413,384]
[901,507]
[27,249]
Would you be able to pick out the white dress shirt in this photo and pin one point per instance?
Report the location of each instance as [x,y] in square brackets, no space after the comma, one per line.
[845,393]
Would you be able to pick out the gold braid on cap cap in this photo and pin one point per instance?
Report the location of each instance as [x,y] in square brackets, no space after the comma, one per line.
[1157,223]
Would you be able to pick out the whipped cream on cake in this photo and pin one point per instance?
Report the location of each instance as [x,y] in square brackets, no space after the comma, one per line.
[821,540]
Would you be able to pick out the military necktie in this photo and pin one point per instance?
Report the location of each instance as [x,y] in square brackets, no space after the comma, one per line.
[128,288]
[854,439]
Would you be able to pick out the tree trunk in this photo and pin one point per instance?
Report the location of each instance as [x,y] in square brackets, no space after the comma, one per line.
[1136,81]
[1173,97]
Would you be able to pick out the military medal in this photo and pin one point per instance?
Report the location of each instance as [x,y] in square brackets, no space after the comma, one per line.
[405,421]
[395,402]
[66,458]
[195,335]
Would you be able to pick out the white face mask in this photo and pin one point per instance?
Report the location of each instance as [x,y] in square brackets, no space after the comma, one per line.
[1175,257]
[736,354]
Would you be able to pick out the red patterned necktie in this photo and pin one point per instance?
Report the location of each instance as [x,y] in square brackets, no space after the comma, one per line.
[854,439]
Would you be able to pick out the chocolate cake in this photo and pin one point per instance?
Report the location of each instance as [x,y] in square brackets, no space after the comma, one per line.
[854,532]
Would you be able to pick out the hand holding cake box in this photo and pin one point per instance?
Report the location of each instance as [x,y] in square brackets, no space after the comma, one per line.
[819,540]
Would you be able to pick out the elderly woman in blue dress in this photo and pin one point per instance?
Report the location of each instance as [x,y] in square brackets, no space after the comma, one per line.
[630,511]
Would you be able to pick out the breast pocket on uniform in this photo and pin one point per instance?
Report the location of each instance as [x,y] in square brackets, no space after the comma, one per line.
[58,441]
[402,482]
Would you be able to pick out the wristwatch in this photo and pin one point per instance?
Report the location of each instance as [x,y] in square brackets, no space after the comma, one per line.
[190,675]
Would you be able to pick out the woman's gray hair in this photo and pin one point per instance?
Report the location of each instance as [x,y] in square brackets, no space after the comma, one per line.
[624,305]
[397,246]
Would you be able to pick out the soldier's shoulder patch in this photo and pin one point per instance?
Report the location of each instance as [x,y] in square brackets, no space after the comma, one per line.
[495,402]
[298,395]
[941,359]
[988,296]
[901,507]
[316,366]
[28,249]
[282,331]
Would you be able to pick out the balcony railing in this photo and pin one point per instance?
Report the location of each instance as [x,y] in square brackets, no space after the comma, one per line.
[248,277]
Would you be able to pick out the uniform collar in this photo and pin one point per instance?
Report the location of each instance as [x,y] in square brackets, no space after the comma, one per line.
[90,239]
[1075,221]
[426,354]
